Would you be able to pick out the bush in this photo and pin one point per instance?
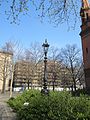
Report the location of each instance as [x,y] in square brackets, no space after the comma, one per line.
[18,102]
[79,91]
[56,106]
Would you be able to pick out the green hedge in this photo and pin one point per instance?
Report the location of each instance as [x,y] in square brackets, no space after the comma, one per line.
[56,106]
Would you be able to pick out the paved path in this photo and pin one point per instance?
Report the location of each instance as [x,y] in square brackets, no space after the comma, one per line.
[6,112]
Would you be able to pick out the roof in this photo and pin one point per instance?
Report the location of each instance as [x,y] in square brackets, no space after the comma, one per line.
[5,52]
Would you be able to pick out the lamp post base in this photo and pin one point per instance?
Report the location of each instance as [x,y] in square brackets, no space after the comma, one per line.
[45,91]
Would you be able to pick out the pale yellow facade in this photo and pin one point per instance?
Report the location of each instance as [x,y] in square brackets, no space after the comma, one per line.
[5,70]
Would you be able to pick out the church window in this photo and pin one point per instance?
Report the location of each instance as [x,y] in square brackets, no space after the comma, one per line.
[86,50]
[87,16]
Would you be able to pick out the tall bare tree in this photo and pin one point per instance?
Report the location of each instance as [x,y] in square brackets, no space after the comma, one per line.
[34,56]
[14,49]
[71,58]
[54,66]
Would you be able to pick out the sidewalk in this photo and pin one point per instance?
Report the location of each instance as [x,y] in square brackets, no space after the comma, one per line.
[6,113]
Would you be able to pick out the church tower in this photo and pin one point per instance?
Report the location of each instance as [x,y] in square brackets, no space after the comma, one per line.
[85,38]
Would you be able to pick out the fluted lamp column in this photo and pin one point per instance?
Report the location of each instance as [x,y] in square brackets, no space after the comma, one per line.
[45,48]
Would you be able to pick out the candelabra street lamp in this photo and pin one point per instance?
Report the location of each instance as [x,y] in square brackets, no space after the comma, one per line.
[45,47]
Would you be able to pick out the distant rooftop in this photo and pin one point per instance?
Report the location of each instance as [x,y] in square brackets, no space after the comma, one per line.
[6,52]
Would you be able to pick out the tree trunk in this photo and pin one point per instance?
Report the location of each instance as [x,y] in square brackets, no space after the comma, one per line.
[3,87]
[11,83]
[74,84]
[72,69]
[53,85]
[4,76]
[28,84]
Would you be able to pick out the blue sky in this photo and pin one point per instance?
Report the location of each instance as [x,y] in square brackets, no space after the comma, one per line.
[31,30]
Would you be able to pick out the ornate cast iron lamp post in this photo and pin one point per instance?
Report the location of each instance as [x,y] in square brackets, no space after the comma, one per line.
[45,47]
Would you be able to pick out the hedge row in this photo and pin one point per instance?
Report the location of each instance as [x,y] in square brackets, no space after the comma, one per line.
[56,106]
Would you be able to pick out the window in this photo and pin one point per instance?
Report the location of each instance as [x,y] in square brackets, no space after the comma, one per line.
[87,17]
[86,50]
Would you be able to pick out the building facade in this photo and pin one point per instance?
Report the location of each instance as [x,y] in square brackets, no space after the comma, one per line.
[5,70]
[85,39]
[31,75]
[27,74]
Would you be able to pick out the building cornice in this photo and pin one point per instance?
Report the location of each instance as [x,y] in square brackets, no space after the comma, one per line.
[4,52]
[85,32]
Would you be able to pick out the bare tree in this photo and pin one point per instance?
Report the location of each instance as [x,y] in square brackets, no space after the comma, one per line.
[60,11]
[34,56]
[23,73]
[34,53]
[71,58]
[57,10]
[13,49]
[54,66]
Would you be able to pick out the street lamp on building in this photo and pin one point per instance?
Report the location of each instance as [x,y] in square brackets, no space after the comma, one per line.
[45,48]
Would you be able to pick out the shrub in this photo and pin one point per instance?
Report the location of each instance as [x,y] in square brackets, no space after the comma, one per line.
[79,91]
[56,106]
[18,102]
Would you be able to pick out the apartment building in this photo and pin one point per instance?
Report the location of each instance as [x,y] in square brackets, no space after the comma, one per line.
[27,74]
[5,70]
